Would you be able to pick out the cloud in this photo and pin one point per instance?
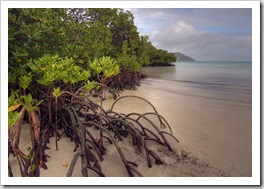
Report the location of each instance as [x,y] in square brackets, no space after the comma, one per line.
[204,34]
[202,45]
[183,27]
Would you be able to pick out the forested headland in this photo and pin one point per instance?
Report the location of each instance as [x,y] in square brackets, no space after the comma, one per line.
[56,56]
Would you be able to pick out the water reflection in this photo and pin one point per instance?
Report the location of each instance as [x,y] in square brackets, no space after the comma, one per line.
[165,73]
[217,80]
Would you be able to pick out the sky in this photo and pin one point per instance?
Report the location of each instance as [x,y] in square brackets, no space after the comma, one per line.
[204,34]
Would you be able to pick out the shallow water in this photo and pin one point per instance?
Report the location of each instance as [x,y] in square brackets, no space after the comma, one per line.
[209,106]
[230,81]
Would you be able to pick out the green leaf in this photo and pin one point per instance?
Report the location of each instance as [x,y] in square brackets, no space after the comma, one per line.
[116,69]
[13,99]
[32,168]
[29,149]
[90,85]
[56,92]
[13,118]
[28,102]
[106,65]
[99,69]
[107,74]
[39,102]
[32,157]
[24,81]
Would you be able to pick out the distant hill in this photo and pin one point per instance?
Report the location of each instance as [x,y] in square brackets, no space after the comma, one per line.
[182,57]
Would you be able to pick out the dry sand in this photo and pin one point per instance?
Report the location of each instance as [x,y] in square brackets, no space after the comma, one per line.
[214,140]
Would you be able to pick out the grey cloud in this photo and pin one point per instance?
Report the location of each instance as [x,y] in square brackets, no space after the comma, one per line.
[202,45]
[204,34]
[211,17]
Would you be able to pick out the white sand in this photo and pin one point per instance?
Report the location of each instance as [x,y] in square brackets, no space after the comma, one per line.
[216,137]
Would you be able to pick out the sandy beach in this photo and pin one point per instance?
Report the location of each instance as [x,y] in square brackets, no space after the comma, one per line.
[214,140]
[168,95]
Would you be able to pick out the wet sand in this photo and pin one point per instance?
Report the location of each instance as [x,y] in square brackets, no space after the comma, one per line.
[215,139]
[212,130]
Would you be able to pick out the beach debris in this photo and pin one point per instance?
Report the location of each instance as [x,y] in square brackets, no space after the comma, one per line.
[65,165]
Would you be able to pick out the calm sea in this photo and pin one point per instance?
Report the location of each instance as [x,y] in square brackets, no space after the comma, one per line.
[209,105]
[228,81]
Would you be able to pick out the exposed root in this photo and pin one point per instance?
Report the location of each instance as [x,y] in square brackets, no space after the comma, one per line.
[76,117]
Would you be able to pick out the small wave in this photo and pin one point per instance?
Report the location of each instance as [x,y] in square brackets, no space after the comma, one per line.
[208,97]
[228,93]
[220,83]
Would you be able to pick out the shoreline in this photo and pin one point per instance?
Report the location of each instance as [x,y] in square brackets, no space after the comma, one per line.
[211,129]
[160,65]
[197,153]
